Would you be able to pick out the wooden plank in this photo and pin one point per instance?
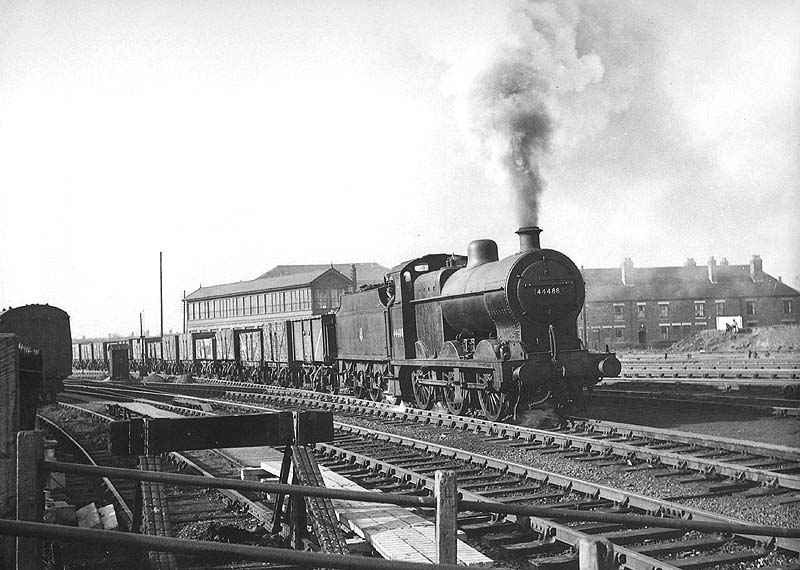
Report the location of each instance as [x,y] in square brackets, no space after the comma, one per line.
[394,532]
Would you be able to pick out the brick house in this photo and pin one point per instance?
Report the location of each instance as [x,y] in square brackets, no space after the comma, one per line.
[658,306]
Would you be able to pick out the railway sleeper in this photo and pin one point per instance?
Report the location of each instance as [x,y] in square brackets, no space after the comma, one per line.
[495,539]
[730,488]
[521,489]
[721,558]
[567,561]
[485,527]
[491,483]
[598,527]
[639,535]
[522,549]
[436,468]
[534,497]
[468,518]
[698,544]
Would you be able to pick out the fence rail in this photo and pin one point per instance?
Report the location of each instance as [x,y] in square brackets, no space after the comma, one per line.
[596,554]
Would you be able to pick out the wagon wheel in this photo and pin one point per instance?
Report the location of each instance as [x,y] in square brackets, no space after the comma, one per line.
[347,380]
[422,394]
[306,379]
[360,386]
[455,397]
[319,379]
[376,388]
[495,405]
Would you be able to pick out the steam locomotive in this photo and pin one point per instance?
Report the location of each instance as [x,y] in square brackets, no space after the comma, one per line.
[498,334]
[474,332]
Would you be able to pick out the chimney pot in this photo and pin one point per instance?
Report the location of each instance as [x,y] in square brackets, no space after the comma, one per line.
[627,272]
[756,270]
[712,269]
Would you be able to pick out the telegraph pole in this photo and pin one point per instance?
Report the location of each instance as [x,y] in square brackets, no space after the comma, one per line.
[161,288]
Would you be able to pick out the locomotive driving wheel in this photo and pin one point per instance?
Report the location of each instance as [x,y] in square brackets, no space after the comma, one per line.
[423,394]
[495,405]
[455,397]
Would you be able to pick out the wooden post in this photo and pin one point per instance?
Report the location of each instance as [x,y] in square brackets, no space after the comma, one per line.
[9,426]
[446,514]
[30,495]
[596,554]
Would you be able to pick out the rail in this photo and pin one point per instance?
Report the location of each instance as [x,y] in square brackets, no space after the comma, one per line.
[31,467]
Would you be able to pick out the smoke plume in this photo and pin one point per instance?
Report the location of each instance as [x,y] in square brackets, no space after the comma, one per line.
[515,105]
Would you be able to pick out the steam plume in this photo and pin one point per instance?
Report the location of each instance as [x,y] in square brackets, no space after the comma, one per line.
[514,104]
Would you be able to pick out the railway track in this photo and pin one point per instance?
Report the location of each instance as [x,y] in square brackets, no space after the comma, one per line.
[679,392]
[399,463]
[388,463]
[78,442]
[748,466]
[220,515]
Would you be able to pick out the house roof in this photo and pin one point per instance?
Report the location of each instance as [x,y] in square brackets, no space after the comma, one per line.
[366,273]
[262,284]
[692,282]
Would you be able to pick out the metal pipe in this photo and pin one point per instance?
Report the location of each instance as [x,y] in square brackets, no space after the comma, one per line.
[167,544]
[411,501]
[222,483]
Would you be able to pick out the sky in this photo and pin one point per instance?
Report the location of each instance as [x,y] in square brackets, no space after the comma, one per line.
[237,135]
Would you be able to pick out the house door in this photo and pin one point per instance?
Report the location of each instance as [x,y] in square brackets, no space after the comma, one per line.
[642,337]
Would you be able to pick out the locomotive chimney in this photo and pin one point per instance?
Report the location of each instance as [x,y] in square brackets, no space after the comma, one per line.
[529,238]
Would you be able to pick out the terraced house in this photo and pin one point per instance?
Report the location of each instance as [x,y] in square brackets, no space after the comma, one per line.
[658,306]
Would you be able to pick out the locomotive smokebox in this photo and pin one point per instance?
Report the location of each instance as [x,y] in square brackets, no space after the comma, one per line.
[529,238]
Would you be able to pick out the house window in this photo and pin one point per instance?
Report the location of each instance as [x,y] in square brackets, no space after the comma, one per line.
[619,334]
[640,313]
[699,309]
[788,307]
[663,309]
[664,332]
[750,307]
[720,305]
[618,316]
